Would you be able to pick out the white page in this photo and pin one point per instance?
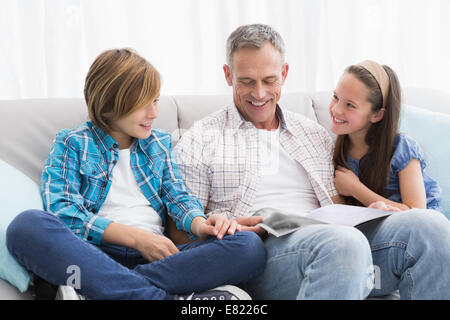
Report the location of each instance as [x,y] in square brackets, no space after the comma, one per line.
[346,215]
[278,223]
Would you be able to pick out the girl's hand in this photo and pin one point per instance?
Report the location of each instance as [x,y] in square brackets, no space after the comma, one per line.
[381,205]
[345,181]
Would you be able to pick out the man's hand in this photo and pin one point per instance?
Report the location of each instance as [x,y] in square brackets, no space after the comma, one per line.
[249,224]
[215,225]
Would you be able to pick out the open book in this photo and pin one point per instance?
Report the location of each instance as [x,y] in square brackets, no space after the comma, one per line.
[278,223]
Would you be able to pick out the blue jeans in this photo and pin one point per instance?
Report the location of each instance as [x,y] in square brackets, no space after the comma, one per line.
[44,245]
[410,251]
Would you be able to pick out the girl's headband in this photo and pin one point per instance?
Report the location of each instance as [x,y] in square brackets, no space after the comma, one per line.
[380,75]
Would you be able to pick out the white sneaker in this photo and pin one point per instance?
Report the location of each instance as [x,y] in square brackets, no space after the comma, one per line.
[220,293]
[68,293]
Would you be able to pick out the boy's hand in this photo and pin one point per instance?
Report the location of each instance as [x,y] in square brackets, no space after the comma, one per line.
[215,225]
[150,245]
[155,247]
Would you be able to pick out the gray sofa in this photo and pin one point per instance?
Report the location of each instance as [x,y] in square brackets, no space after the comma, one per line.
[28,127]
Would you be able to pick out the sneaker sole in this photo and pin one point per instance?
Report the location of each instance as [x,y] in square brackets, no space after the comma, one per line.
[235,291]
[67,293]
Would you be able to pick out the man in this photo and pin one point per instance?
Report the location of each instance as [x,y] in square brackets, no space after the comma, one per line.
[223,160]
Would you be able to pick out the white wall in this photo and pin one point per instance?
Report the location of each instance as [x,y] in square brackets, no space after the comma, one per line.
[47,46]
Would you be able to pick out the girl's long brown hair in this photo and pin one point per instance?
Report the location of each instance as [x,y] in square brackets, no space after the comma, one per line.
[374,166]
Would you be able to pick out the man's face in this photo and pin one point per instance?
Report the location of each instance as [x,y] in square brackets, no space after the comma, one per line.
[256,76]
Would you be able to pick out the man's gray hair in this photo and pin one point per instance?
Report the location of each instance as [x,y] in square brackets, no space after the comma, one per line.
[253,36]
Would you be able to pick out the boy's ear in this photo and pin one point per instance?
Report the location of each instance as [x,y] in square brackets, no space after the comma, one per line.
[377,116]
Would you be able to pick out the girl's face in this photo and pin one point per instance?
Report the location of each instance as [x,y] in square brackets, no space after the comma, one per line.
[350,111]
[135,125]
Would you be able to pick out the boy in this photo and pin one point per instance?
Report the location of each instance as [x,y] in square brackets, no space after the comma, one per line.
[107,186]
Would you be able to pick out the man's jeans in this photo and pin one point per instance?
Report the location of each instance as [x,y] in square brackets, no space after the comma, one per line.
[410,251]
[43,244]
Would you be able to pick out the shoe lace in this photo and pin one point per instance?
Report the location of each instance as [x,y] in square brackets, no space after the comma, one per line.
[189,297]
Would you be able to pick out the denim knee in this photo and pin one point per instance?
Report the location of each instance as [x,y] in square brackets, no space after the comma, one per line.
[349,247]
[313,259]
[249,248]
[425,222]
[422,227]
[25,227]
[349,237]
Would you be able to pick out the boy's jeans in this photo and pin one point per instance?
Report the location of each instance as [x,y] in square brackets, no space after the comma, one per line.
[43,244]
[410,251]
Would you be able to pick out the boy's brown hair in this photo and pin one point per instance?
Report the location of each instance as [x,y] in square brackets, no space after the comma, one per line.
[119,82]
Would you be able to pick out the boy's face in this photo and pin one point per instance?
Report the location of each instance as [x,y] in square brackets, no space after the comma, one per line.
[135,125]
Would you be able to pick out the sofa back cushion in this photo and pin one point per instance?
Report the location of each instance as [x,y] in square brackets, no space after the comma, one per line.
[428,99]
[431,130]
[193,108]
[28,128]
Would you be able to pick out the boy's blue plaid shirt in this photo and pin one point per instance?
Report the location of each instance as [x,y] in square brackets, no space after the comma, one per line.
[76,179]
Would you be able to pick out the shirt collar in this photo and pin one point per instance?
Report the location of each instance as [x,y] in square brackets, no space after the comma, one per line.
[105,141]
[145,143]
[237,120]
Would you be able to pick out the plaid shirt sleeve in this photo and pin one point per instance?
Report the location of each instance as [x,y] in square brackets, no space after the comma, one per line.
[181,204]
[189,153]
[329,180]
[60,185]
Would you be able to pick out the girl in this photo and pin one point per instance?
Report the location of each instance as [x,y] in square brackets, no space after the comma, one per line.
[376,165]
[107,186]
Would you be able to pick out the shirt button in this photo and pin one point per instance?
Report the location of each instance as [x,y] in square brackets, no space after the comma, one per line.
[115,145]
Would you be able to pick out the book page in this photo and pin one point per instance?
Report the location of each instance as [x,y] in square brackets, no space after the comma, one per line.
[279,223]
[346,215]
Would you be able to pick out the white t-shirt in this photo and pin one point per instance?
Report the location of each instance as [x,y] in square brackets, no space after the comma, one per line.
[283,184]
[126,203]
